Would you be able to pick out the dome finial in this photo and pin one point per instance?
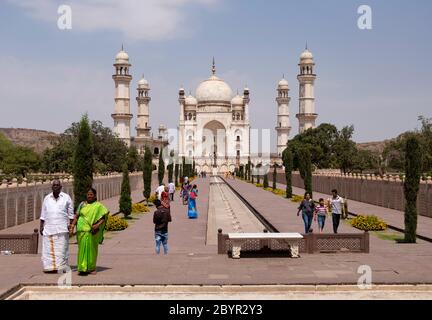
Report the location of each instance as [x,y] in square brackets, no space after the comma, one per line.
[122,47]
[190,92]
[306,46]
[283,75]
[213,67]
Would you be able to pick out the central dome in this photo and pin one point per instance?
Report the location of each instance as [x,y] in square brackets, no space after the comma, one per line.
[214,89]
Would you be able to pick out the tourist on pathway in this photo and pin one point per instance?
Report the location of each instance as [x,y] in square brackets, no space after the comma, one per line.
[320,213]
[161,218]
[159,191]
[90,219]
[307,207]
[192,210]
[337,207]
[184,194]
[56,215]
[165,198]
[171,187]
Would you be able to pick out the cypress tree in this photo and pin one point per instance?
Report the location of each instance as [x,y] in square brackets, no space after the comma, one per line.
[258,173]
[125,202]
[265,183]
[147,172]
[413,169]
[83,162]
[161,168]
[287,157]
[176,174]
[274,176]
[181,174]
[305,167]
[193,167]
[170,172]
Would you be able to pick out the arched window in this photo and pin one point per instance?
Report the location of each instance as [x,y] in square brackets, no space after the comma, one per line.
[238,138]
[190,138]
[146,124]
[238,116]
[156,151]
[189,116]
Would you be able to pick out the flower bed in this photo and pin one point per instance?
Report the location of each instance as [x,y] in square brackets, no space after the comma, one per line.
[115,223]
[368,223]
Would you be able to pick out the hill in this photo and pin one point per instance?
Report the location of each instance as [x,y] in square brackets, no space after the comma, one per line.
[375,146]
[38,140]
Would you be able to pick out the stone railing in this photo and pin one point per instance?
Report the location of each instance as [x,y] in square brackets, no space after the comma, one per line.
[21,203]
[384,191]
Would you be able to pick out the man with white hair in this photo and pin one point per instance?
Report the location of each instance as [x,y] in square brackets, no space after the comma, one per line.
[56,216]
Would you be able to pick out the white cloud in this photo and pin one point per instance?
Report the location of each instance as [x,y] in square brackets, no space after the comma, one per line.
[135,19]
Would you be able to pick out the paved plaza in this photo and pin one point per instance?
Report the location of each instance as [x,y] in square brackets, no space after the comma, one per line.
[128,258]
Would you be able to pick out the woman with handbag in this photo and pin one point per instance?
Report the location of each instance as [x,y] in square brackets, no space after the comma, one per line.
[192,210]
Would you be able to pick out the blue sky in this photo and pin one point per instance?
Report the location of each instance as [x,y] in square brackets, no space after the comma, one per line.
[378,80]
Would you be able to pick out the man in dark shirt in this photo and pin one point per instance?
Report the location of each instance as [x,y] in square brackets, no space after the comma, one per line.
[161,218]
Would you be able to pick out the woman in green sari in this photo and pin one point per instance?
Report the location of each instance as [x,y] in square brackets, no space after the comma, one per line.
[90,220]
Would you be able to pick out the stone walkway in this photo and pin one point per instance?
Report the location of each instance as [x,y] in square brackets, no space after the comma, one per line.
[392,217]
[128,257]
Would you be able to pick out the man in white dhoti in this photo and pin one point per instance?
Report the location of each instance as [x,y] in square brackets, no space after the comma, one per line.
[56,216]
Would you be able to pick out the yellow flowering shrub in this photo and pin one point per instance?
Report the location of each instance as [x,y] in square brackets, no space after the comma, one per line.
[152,198]
[139,208]
[368,223]
[115,223]
[296,198]
[259,185]
[279,192]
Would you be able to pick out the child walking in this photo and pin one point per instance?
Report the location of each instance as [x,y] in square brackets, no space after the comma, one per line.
[320,213]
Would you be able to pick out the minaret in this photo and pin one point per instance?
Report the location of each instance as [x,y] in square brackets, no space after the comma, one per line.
[306,78]
[283,127]
[122,79]
[143,117]
[181,128]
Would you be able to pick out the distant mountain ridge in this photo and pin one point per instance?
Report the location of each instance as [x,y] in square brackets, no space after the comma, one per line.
[38,140]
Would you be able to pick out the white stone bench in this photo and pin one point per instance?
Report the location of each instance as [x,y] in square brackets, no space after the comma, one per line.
[238,239]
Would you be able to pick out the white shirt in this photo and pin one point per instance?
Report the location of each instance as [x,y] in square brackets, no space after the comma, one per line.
[337,204]
[171,187]
[56,213]
[159,191]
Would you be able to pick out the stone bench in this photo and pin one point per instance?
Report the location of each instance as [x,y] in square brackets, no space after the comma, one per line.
[239,239]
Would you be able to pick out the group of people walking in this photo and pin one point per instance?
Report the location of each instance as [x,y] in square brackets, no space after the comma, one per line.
[310,211]
[162,215]
[58,222]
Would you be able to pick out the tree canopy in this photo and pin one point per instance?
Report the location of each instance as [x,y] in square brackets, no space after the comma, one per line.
[17,160]
[109,151]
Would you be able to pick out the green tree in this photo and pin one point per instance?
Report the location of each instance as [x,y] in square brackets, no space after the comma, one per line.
[258,167]
[147,172]
[345,149]
[193,167]
[125,202]
[176,174]
[83,162]
[287,158]
[17,160]
[274,176]
[181,173]
[265,183]
[413,170]
[161,169]
[133,159]
[304,157]
[321,143]
[109,152]
[170,172]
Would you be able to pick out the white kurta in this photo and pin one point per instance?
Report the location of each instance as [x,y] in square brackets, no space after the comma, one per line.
[56,214]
